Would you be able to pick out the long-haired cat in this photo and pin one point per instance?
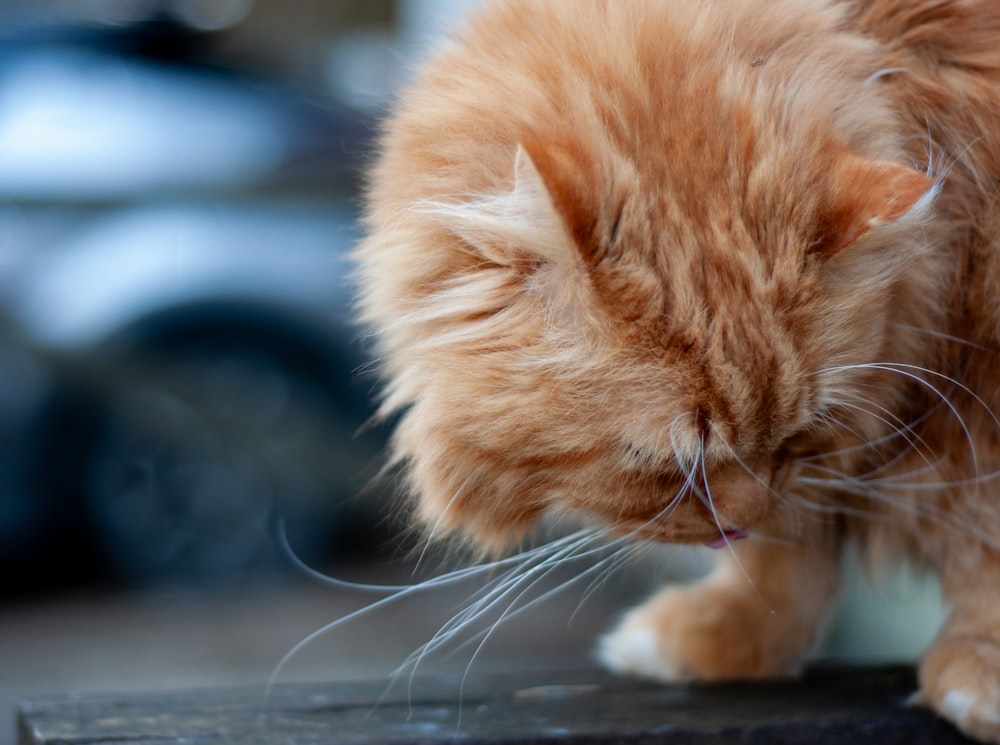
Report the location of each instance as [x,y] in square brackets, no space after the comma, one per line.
[709,271]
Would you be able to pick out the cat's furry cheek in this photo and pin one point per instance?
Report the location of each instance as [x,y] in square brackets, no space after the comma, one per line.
[460,493]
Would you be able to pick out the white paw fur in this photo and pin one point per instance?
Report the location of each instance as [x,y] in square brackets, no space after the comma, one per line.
[967,709]
[632,649]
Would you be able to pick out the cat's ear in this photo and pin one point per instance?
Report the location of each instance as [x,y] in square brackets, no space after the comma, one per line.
[866,195]
[560,175]
[535,222]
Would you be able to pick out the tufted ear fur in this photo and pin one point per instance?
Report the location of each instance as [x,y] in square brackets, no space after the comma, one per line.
[867,194]
[523,226]
[565,174]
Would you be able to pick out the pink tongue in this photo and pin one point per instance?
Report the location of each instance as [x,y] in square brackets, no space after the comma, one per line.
[728,537]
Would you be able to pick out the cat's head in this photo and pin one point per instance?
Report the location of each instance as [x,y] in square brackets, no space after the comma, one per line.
[641,320]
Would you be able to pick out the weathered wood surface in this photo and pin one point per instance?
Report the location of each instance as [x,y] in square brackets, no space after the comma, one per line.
[842,706]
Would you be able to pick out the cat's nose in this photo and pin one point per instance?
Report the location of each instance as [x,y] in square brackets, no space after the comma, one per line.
[736,495]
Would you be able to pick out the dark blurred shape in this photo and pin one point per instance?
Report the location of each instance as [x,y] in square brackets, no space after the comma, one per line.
[178,367]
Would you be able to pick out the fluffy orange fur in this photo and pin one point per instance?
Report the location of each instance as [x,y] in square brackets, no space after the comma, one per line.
[702,268]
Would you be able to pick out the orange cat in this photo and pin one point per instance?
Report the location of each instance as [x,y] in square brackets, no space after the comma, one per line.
[710,271]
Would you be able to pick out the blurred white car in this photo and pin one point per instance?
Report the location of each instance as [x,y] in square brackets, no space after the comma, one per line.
[177,367]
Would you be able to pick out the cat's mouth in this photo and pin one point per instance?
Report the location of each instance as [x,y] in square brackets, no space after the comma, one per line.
[739,498]
[727,537]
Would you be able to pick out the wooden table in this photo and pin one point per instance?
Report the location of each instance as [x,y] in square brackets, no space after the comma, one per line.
[843,706]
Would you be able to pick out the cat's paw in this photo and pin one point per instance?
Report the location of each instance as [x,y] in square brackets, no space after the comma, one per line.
[705,633]
[960,680]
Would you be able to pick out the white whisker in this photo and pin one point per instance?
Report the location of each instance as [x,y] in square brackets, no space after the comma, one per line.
[898,430]
[437,525]
[942,335]
[512,610]
[400,592]
[909,371]
[522,573]
[706,499]
[860,488]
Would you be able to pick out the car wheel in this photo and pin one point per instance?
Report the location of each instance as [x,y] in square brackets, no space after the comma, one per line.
[201,454]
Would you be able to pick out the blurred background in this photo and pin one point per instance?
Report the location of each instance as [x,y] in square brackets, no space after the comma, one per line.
[178,192]
[179,376]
